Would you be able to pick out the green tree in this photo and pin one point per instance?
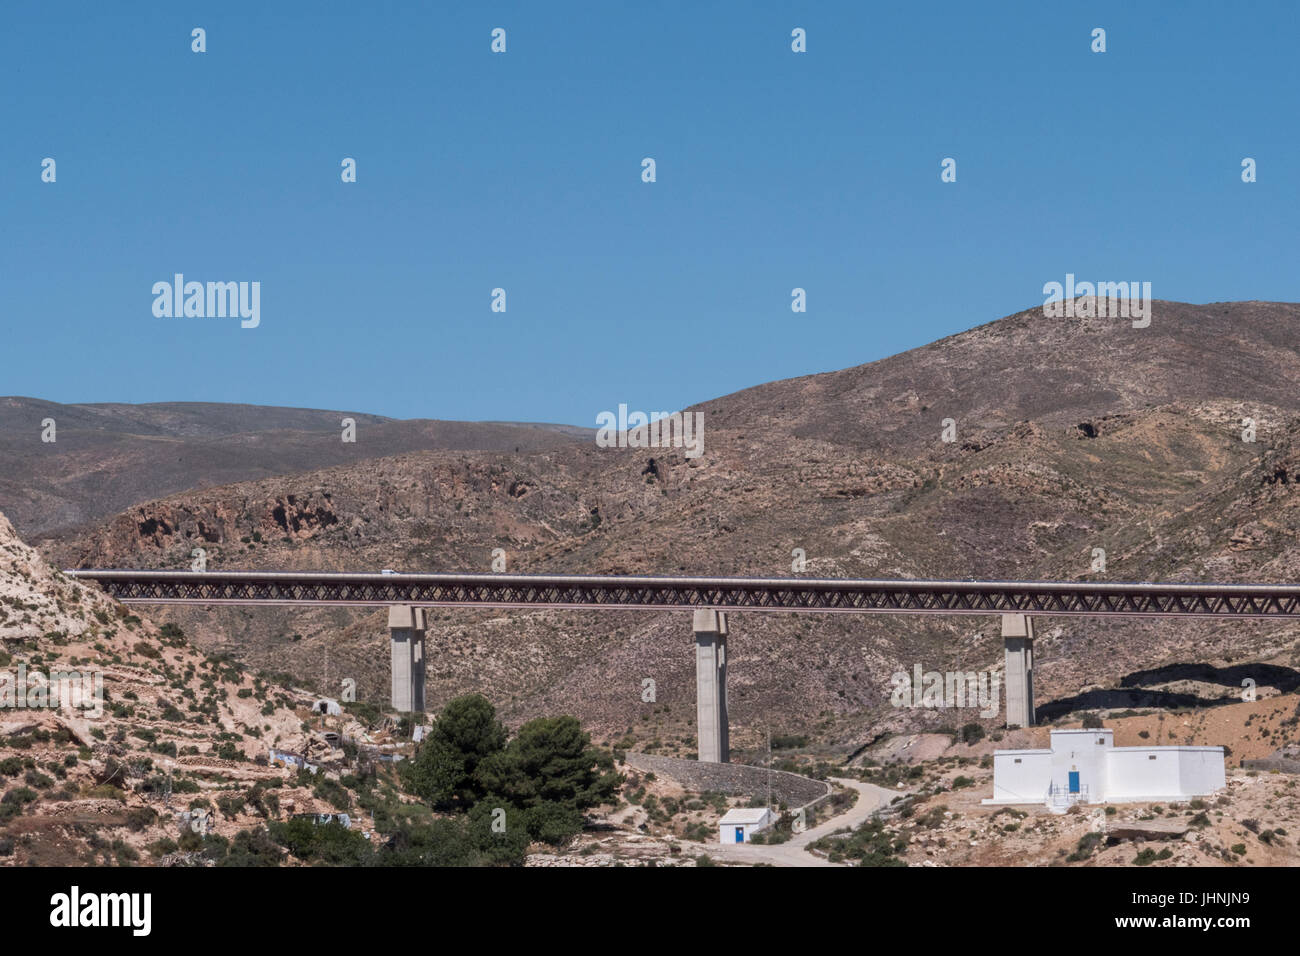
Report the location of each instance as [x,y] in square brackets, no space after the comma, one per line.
[444,769]
[552,773]
[501,838]
[325,843]
[442,842]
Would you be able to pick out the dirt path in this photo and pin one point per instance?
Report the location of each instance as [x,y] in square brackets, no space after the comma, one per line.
[794,852]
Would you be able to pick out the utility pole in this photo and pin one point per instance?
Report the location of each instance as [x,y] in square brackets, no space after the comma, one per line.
[769,767]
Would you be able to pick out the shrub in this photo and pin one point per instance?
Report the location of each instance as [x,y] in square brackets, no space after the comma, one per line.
[972,733]
[1148,856]
[172,635]
[333,793]
[1087,843]
[253,848]
[125,853]
[229,751]
[327,843]
[230,804]
[19,796]
[138,818]
[870,844]
[161,847]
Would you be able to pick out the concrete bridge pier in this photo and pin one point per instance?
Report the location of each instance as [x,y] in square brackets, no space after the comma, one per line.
[1018,641]
[406,626]
[711,685]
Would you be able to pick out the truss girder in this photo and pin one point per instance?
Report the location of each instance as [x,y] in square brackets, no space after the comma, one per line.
[1054,598]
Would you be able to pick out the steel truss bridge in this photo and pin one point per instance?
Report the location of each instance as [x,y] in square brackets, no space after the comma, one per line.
[1056,598]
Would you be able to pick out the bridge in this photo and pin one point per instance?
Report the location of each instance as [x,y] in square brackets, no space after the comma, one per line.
[406,596]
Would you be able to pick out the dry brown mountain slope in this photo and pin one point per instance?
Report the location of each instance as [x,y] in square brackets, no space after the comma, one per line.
[1169,490]
[107,457]
[1029,367]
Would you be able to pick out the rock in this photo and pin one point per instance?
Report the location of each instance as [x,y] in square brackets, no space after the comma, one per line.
[1148,830]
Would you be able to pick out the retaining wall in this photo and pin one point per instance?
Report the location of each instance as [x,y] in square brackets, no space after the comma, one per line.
[734,779]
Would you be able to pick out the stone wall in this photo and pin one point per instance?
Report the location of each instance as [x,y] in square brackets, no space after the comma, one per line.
[1280,764]
[734,779]
[1283,760]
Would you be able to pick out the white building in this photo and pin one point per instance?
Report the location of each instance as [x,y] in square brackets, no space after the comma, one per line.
[740,823]
[1085,766]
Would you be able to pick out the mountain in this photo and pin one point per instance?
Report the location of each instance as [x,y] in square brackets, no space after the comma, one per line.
[1069,435]
[107,457]
[1053,371]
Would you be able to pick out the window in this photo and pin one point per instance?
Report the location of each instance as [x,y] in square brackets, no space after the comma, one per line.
[1101,741]
[1151,756]
[1017,760]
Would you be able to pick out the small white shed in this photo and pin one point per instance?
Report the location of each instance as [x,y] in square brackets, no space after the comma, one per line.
[327,706]
[740,823]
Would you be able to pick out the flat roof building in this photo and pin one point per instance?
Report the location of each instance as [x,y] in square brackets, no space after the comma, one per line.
[1085,766]
[740,823]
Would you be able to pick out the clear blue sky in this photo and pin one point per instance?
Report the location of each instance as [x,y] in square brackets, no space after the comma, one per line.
[775,170]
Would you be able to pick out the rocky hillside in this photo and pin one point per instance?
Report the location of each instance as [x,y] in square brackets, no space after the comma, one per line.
[1054,371]
[142,730]
[106,457]
[1070,436]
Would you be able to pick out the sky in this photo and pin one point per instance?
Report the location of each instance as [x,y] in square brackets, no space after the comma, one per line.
[522,170]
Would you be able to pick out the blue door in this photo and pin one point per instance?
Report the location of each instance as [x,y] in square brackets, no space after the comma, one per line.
[740,834]
[1074,781]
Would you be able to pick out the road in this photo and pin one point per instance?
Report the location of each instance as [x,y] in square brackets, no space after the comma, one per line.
[794,852]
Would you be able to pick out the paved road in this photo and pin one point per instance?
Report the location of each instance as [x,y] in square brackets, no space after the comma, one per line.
[794,852]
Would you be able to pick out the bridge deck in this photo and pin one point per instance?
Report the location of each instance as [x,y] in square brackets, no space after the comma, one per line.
[1063,598]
